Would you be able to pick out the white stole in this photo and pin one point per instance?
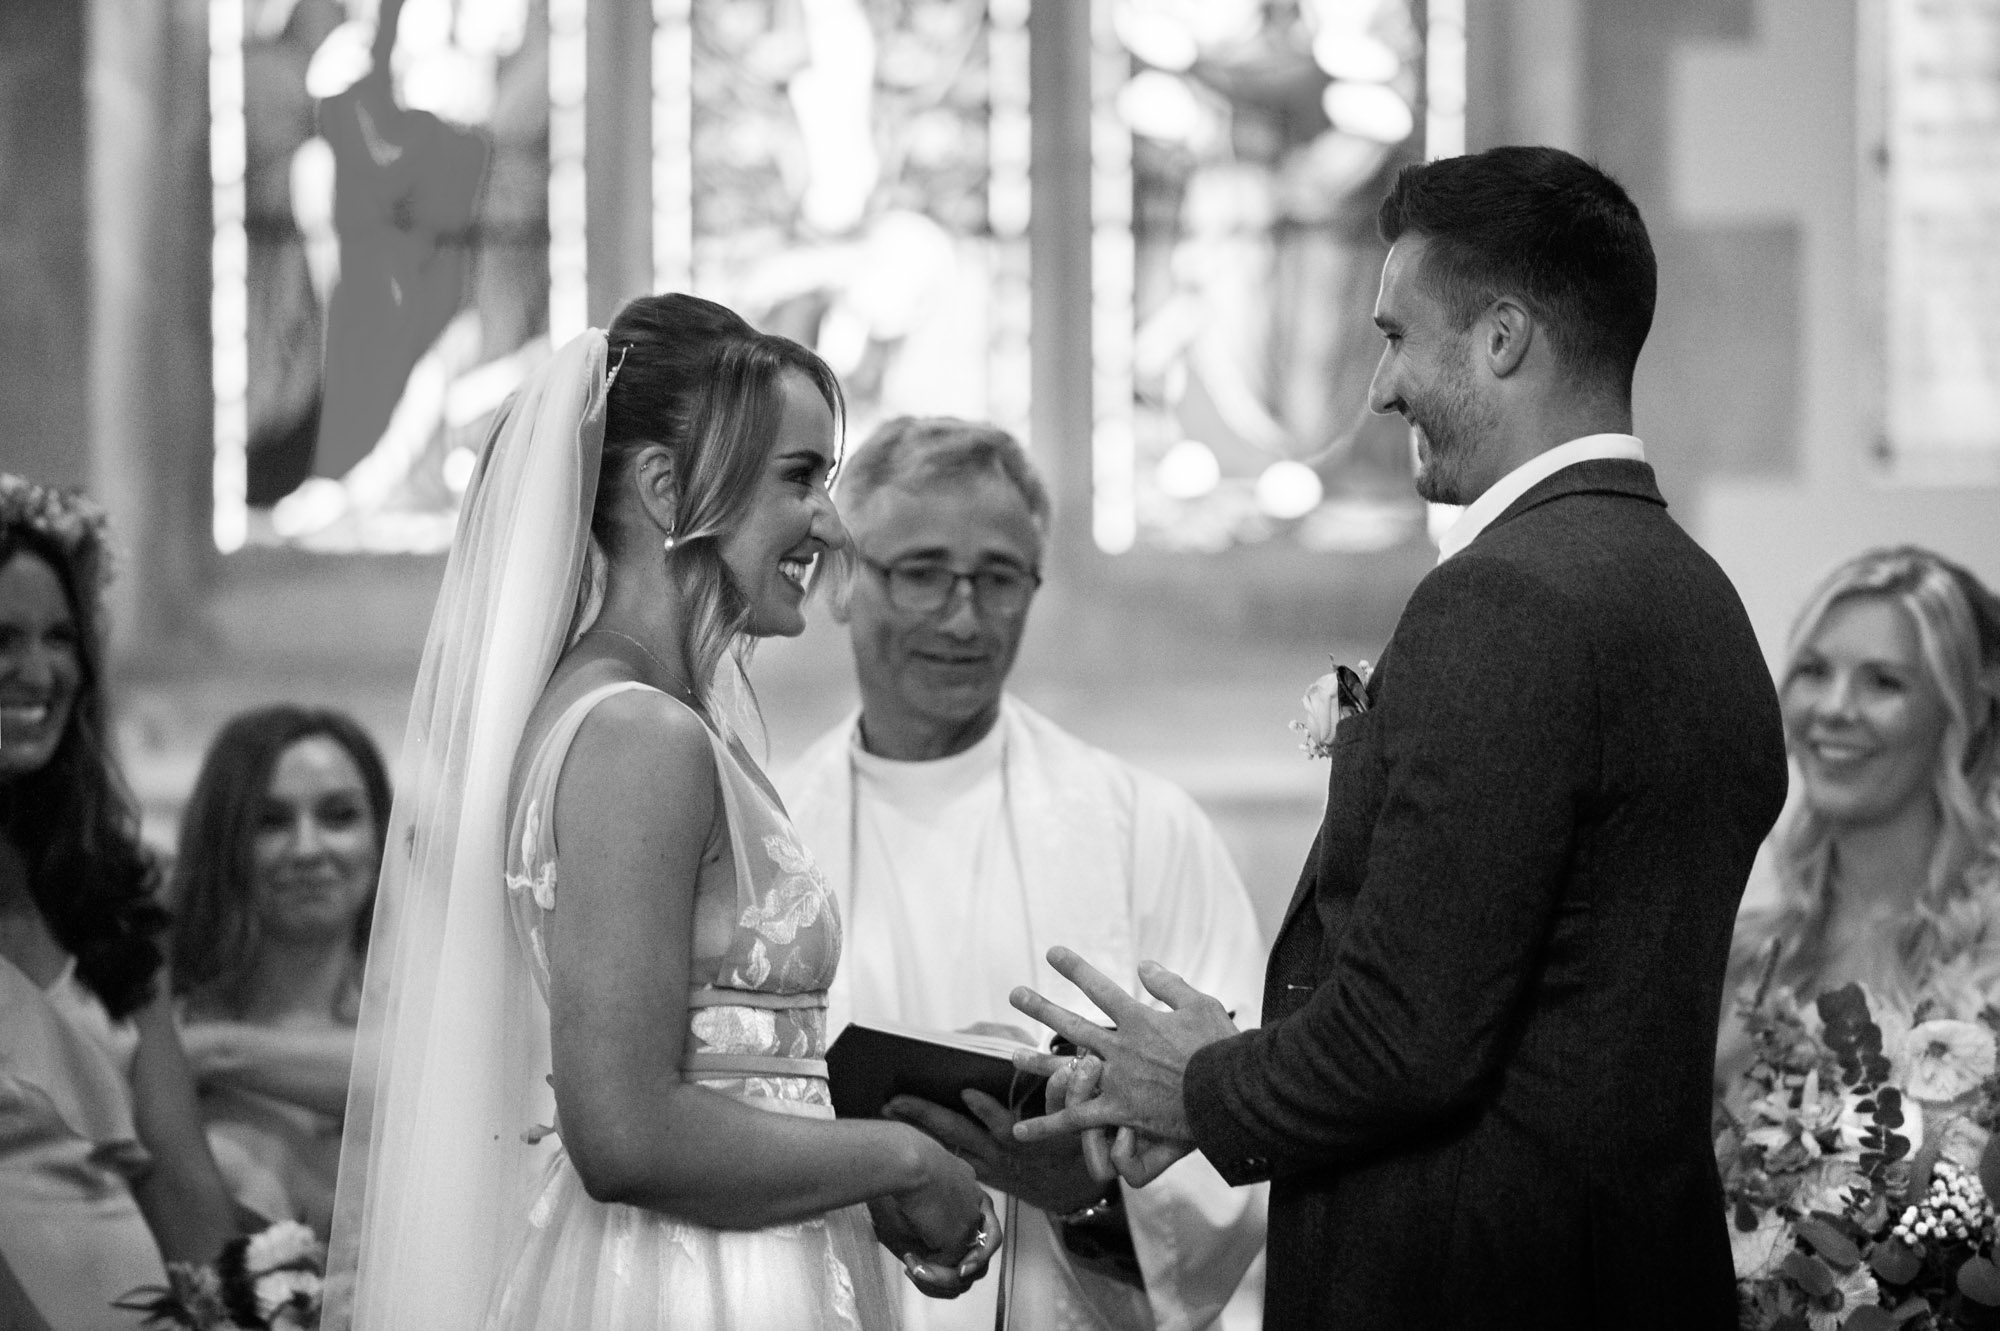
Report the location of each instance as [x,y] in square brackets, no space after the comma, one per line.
[1060,796]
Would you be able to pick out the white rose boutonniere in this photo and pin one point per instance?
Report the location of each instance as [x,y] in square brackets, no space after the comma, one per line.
[1331,699]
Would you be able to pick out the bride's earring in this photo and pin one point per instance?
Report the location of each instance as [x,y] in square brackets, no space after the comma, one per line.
[668,544]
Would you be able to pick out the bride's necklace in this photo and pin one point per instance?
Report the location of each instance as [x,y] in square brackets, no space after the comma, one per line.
[665,673]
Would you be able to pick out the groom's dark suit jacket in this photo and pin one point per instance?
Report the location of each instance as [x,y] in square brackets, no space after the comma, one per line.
[1481,1091]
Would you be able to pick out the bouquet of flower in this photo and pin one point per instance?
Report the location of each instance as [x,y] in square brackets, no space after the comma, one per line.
[1857,1167]
[268,1281]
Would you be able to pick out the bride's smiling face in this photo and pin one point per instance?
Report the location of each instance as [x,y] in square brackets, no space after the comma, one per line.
[1863,716]
[790,520]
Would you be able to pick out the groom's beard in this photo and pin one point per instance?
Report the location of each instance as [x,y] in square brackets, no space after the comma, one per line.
[1450,421]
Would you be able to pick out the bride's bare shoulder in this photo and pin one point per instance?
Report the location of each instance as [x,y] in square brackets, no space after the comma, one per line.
[640,744]
[631,738]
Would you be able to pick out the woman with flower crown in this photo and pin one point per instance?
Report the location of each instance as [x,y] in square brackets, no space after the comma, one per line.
[1886,870]
[103,1166]
[589,1083]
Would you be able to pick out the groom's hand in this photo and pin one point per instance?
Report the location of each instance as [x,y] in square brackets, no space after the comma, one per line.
[1048,1175]
[1145,1055]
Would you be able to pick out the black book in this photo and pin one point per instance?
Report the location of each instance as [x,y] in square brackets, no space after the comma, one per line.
[873,1062]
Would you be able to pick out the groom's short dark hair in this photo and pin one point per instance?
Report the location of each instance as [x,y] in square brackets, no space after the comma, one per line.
[1545,227]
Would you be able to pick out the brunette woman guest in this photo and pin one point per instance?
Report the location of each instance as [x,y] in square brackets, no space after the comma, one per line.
[1886,870]
[273,891]
[103,1166]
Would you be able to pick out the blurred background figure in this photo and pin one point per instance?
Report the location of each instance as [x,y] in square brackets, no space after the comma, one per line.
[1886,870]
[273,890]
[103,1168]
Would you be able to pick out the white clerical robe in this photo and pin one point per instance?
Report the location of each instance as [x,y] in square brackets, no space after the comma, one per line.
[954,878]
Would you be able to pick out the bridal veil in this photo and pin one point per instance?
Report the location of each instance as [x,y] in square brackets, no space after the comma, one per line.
[452,1046]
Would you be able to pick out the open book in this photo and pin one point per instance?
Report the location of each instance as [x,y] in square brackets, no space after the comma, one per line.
[873,1062]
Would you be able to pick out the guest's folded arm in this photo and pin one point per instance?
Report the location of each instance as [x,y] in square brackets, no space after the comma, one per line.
[303,1067]
[1487,717]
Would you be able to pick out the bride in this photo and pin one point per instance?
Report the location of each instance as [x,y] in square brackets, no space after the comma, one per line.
[590,1088]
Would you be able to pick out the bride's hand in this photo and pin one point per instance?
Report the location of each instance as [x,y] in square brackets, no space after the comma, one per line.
[944,1229]
[946,1276]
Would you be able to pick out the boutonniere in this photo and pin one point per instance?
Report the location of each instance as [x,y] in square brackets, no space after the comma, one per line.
[1338,694]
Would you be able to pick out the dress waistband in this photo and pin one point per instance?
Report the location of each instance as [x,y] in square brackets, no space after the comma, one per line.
[708,1065]
[709,995]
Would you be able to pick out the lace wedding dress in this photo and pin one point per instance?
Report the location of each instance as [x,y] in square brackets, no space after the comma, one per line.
[756,1031]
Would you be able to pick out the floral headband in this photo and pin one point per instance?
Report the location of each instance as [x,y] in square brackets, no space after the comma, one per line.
[70,520]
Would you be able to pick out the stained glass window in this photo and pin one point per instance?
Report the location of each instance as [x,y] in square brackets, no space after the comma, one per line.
[1240,148]
[382,274]
[854,174]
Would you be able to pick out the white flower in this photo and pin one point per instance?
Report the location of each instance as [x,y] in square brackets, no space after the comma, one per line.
[1852,1289]
[1324,711]
[1962,1142]
[282,1244]
[1322,703]
[1831,1185]
[1795,1135]
[1759,1252]
[1946,1059]
[286,1290]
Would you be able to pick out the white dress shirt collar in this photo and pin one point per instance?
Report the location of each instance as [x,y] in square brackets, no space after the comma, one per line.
[1479,514]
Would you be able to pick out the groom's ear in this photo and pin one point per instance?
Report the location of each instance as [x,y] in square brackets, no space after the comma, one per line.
[1505,333]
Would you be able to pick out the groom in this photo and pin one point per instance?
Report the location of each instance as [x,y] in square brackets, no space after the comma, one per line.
[1481,1090]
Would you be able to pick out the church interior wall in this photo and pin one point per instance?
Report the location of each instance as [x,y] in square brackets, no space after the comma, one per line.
[44,262]
[1733,123]
[1765,134]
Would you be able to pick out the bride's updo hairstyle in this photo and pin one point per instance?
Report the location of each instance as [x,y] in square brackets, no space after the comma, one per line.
[1957,623]
[695,377]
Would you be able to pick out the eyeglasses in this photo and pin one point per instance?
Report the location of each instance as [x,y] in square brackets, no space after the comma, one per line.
[925,589]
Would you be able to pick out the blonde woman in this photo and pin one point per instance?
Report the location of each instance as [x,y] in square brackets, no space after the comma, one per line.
[1886,869]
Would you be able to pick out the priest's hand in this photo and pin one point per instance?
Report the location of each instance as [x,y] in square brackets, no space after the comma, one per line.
[1050,1175]
[1145,1055]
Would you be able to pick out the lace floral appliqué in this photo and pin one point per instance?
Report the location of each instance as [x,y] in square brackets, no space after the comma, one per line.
[736,1029]
[539,885]
[782,919]
[795,901]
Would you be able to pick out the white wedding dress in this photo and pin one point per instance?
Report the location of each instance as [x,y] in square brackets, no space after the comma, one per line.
[756,1031]
[447,1216]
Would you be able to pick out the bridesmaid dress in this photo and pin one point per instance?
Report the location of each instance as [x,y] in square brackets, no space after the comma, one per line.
[69,1225]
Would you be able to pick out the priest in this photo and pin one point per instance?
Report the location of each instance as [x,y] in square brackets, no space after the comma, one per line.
[964,833]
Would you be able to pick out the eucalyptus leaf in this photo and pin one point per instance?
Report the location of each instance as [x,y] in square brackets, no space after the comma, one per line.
[1838,1250]
[1979,1280]
[1893,1261]
[1812,1275]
